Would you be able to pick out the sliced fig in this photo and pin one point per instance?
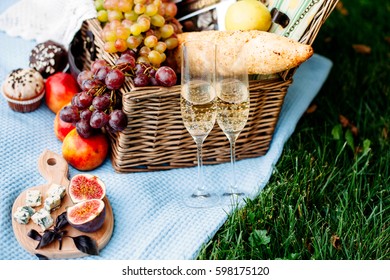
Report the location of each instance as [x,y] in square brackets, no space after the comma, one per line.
[86,186]
[87,216]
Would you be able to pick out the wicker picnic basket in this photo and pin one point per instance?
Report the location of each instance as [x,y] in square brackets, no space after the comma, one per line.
[156,139]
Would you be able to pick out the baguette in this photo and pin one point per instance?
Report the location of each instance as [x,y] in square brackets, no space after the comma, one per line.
[267,53]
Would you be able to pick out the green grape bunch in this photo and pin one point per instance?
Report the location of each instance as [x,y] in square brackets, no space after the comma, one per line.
[147,27]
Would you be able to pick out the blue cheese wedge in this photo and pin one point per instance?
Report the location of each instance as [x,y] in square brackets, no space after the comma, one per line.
[43,219]
[23,214]
[33,198]
[56,189]
[52,202]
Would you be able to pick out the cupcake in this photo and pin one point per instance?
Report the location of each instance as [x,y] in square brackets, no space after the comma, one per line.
[24,90]
[48,58]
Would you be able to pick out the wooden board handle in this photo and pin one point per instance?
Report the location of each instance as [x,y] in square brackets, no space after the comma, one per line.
[53,167]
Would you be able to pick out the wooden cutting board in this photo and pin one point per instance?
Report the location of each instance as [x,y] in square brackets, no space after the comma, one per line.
[54,169]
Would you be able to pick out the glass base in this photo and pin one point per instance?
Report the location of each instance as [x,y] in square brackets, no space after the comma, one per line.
[205,200]
[233,199]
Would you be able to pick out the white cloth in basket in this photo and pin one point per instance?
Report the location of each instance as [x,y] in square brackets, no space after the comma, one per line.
[42,20]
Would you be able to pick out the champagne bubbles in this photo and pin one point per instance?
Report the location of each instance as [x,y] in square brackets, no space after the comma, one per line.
[198,92]
[232,91]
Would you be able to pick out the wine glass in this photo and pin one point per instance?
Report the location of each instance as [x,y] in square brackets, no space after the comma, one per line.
[233,102]
[198,107]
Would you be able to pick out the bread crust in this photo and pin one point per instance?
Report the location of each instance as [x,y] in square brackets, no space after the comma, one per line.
[266,53]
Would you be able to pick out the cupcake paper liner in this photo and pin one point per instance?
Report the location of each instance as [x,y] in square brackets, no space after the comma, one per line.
[24,106]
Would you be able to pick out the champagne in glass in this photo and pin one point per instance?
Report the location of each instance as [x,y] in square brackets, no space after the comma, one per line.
[198,107]
[233,102]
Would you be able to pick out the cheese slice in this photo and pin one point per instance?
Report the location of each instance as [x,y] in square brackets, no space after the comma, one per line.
[33,198]
[43,219]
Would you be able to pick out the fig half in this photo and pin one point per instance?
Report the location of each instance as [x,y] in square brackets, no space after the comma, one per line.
[86,186]
[87,216]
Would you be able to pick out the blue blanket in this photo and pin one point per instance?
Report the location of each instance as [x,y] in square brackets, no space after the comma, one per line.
[151,222]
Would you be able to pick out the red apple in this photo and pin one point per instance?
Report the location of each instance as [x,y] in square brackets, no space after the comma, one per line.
[60,88]
[85,153]
[61,128]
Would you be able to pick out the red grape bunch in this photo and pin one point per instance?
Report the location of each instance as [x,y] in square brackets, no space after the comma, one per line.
[97,105]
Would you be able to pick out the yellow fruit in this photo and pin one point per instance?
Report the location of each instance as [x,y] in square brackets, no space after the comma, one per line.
[248,15]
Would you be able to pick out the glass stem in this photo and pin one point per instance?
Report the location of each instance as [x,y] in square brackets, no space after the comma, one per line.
[199,143]
[233,186]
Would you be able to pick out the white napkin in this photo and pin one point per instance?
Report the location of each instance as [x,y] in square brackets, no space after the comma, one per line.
[42,20]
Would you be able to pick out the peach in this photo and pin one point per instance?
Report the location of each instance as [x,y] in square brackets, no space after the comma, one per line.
[60,88]
[61,128]
[85,153]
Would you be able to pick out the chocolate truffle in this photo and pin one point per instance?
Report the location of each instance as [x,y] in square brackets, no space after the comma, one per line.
[48,58]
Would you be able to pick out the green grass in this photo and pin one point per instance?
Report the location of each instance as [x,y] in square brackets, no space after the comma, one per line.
[329,196]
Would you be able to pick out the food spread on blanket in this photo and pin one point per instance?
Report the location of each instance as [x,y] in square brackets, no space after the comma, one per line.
[145,37]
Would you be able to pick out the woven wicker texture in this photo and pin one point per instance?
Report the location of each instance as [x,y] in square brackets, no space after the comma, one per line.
[156,138]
